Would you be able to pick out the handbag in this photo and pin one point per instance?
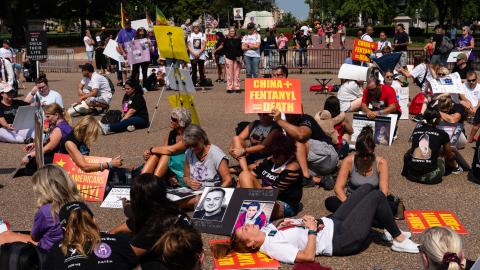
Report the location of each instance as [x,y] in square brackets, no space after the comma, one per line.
[112,117]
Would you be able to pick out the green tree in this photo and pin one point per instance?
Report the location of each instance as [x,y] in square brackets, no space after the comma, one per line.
[288,20]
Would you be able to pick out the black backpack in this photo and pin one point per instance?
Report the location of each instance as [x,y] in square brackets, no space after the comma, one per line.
[21,256]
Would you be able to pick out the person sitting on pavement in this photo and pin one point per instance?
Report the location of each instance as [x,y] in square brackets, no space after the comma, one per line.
[279,171]
[53,188]
[134,111]
[422,162]
[442,248]
[344,233]
[43,93]
[359,168]
[452,113]
[8,110]
[59,129]
[77,144]
[95,91]
[350,96]
[253,142]
[470,98]
[205,164]
[169,158]
[337,123]
[315,152]
[462,66]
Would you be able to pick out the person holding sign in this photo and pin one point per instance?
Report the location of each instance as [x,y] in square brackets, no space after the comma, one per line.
[53,188]
[8,110]
[466,42]
[344,233]
[141,36]
[126,34]
[422,163]
[77,144]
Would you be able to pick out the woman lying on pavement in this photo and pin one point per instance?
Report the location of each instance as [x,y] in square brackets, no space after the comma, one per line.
[345,233]
[280,171]
[169,158]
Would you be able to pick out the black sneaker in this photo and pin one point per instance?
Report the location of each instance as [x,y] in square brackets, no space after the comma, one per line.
[457,170]
[328,182]
[229,91]
[308,182]
[418,118]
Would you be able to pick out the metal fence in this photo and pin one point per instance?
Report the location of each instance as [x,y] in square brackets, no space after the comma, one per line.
[60,60]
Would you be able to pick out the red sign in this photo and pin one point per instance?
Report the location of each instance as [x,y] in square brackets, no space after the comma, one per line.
[211,42]
[90,185]
[362,50]
[419,220]
[236,260]
[262,95]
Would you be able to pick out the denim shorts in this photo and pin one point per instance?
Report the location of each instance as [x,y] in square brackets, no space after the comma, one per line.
[221,60]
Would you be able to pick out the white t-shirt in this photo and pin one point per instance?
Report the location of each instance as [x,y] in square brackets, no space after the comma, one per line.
[100,83]
[473,95]
[305,30]
[252,40]
[284,245]
[6,53]
[367,37]
[52,97]
[206,171]
[348,92]
[195,41]
[88,47]
[418,72]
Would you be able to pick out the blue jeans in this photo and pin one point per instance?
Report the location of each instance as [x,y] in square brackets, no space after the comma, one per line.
[302,52]
[121,126]
[251,65]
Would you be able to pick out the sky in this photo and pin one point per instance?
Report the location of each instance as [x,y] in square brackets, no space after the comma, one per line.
[297,7]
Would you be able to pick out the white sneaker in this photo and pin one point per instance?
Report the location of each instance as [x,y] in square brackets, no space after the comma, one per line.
[105,128]
[131,128]
[407,246]
[387,237]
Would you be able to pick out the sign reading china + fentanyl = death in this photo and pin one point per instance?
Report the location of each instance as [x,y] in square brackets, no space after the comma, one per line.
[419,220]
[362,50]
[262,95]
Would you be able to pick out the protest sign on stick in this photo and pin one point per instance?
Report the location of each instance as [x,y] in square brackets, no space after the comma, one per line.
[262,95]
[362,50]
[90,185]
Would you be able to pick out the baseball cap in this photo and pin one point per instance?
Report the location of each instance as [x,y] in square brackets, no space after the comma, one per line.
[5,88]
[68,208]
[462,56]
[250,26]
[87,67]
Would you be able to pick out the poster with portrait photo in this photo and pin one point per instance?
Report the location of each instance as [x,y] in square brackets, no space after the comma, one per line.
[383,127]
[219,208]
[238,14]
[197,43]
[254,212]
[382,133]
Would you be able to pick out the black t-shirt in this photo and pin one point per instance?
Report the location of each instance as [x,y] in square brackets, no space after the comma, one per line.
[9,112]
[437,38]
[400,38]
[462,72]
[317,132]
[232,48]
[288,183]
[458,108]
[136,102]
[303,42]
[82,147]
[114,252]
[426,144]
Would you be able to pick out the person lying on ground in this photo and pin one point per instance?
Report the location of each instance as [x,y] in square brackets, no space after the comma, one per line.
[134,111]
[345,233]
[422,162]
[359,168]
[150,214]
[8,110]
[205,164]
[253,142]
[350,96]
[315,153]
[341,126]
[279,171]
[77,145]
[43,93]
[168,159]
[59,129]
[53,188]
[442,248]
[83,245]
[94,91]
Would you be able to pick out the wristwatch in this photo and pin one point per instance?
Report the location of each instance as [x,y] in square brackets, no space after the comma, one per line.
[312,232]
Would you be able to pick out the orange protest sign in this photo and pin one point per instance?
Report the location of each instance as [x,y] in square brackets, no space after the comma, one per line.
[90,185]
[236,260]
[419,220]
[362,50]
[262,95]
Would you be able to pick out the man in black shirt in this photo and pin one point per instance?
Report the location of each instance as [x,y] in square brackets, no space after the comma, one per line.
[312,143]
[8,110]
[438,58]
[400,43]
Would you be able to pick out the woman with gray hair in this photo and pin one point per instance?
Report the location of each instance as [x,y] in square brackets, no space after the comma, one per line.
[466,43]
[168,159]
[205,164]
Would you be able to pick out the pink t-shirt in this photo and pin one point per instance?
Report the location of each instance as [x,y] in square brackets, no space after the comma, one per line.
[282,42]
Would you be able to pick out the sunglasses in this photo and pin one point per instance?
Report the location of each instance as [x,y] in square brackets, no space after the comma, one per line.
[442,74]
[472,81]
[388,77]
[278,74]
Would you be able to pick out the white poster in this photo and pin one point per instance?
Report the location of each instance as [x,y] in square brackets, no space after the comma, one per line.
[115,197]
[238,14]
[452,57]
[451,84]
[383,127]
[180,79]
[140,23]
[403,99]
[24,118]
[111,51]
[353,72]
